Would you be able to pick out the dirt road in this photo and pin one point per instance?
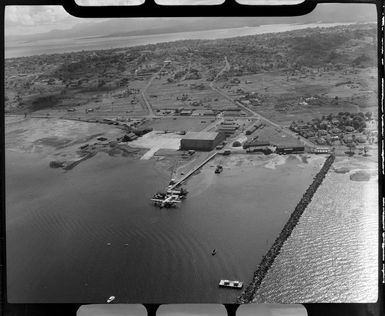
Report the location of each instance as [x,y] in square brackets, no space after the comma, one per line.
[252,113]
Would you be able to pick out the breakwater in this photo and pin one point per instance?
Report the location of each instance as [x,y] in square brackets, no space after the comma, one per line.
[268,259]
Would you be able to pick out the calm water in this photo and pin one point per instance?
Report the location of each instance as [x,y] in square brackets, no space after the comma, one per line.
[19,49]
[59,225]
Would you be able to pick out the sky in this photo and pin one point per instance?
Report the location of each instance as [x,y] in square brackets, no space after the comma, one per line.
[22,20]
[27,20]
[36,19]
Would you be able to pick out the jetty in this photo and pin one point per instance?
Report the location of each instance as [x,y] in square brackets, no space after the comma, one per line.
[191,172]
[172,196]
[268,259]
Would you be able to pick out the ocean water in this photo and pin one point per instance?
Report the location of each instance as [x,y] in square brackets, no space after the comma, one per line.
[332,254]
[90,233]
[15,49]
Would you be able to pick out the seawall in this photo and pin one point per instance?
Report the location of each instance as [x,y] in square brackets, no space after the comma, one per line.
[268,259]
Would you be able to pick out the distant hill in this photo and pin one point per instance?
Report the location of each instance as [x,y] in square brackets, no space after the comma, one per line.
[326,13]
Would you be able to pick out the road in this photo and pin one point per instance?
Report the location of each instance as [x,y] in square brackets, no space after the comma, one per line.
[144,96]
[225,68]
[252,113]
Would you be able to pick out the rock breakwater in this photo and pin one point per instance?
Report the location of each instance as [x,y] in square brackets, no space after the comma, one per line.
[248,294]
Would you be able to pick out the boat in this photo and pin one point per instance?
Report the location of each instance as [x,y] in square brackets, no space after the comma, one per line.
[214,252]
[219,169]
[110,299]
[159,195]
[167,201]
[231,284]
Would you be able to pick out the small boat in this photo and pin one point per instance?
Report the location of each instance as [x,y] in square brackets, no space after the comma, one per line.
[168,201]
[231,284]
[214,252]
[110,299]
[219,169]
[159,195]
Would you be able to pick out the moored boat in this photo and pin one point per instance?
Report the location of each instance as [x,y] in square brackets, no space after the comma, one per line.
[231,284]
[219,169]
[111,298]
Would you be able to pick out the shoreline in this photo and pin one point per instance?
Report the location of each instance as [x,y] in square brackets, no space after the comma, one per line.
[267,261]
[153,39]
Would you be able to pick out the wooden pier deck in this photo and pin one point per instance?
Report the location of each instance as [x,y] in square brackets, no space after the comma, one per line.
[188,174]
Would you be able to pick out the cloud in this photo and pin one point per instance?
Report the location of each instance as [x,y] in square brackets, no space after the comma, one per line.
[24,20]
[35,15]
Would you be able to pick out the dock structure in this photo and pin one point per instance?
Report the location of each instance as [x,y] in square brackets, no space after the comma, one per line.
[187,175]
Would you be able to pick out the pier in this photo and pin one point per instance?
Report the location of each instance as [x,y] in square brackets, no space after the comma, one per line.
[187,175]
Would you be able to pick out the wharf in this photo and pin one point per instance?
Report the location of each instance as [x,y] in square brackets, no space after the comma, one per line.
[187,175]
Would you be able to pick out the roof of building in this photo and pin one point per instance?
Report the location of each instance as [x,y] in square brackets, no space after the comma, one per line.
[258,143]
[204,111]
[227,127]
[200,135]
[288,146]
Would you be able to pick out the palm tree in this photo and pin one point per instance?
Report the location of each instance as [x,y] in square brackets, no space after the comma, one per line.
[351,148]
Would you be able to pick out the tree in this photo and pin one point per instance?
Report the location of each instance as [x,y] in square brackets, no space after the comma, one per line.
[352,147]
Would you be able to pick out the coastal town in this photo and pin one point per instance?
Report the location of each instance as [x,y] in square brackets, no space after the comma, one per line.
[197,109]
[229,102]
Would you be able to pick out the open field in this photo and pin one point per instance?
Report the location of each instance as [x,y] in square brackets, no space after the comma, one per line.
[275,136]
[185,95]
[284,98]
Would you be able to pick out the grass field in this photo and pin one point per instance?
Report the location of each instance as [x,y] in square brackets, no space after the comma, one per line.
[305,96]
[169,95]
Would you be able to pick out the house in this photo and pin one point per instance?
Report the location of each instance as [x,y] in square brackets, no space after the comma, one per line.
[185,112]
[281,149]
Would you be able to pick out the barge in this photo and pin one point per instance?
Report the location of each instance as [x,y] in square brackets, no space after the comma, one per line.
[231,284]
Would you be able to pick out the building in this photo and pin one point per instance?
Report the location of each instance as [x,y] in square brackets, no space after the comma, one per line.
[253,143]
[227,130]
[321,150]
[290,150]
[203,113]
[203,141]
[185,112]
[231,113]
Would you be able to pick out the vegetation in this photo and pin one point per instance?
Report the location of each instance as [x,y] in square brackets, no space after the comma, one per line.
[300,51]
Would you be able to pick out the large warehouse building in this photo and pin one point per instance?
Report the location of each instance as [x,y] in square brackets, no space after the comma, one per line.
[204,141]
